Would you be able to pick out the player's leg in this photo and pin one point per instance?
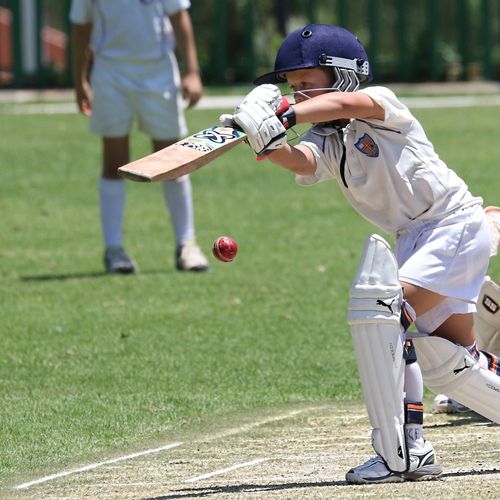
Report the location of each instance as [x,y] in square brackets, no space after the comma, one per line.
[375,316]
[111,119]
[449,359]
[179,201]
[486,319]
[161,116]
[112,205]
[493,217]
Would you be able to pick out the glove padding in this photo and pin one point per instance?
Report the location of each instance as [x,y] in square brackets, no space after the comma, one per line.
[267,93]
[264,130]
[256,116]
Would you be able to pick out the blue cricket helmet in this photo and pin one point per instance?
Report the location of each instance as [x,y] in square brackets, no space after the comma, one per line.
[322,45]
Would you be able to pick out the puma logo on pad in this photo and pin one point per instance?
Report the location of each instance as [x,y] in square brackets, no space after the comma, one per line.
[458,370]
[389,306]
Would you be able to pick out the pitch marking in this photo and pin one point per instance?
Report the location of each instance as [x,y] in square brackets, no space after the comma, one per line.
[24,486]
[227,469]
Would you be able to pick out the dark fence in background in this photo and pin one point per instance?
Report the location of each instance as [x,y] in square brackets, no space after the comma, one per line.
[407,41]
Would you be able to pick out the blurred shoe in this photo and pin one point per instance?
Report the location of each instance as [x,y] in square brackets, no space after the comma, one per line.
[444,404]
[116,261]
[189,257]
[374,470]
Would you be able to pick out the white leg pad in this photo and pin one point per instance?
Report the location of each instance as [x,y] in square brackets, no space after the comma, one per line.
[487,317]
[374,318]
[450,369]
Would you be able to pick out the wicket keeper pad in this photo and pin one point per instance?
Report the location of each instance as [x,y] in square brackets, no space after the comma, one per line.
[487,317]
[374,318]
[450,369]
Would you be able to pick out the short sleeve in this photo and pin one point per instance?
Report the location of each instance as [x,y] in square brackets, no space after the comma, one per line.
[173,6]
[81,12]
[397,115]
[326,150]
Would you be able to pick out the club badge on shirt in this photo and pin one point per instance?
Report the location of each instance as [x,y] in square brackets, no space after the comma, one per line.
[367,146]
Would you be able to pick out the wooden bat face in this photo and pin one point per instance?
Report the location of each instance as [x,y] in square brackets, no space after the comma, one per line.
[183,157]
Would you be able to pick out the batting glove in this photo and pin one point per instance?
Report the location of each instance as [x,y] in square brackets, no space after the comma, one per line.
[267,93]
[263,128]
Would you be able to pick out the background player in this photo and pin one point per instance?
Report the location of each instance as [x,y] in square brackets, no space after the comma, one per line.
[388,170]
[134,74]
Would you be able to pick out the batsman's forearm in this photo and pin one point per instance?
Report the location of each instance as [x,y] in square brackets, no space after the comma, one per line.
[297,159]
[337,106]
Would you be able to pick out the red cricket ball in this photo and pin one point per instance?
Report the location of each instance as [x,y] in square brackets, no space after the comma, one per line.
[225,248]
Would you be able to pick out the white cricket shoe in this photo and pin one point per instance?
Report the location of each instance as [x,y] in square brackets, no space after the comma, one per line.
[374,470]
[444,404]
[118,262]
[189,257]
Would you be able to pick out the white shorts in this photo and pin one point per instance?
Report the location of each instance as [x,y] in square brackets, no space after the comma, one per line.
[449,257]
[149,91]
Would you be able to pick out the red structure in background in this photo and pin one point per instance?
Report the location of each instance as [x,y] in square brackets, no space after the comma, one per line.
[6,75]
[54,48]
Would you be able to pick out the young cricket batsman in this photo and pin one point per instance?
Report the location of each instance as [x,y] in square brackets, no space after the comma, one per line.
[388,170]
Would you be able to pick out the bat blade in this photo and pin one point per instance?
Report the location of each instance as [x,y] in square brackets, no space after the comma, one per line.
[183,157]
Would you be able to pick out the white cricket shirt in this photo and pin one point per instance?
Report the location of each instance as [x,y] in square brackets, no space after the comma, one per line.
[129,30]
[391,174]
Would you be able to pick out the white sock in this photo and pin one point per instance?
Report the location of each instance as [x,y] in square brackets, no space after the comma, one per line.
[414,384]
[112,205]
[178,198]
[414,435]
[414,391]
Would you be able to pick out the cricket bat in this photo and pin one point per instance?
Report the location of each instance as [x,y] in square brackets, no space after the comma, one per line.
[189,154]
[183,157]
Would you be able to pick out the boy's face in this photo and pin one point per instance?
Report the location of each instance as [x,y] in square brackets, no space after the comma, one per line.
[302,80]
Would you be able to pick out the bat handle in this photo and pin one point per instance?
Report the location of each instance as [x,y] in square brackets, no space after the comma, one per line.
[286,116]
[284,106]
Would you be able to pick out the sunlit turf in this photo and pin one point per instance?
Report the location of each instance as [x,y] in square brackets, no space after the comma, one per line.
[92,363]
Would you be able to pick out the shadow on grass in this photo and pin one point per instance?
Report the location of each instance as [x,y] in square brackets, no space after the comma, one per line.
[465,418]
[245,488]
[255,488]
[77,276]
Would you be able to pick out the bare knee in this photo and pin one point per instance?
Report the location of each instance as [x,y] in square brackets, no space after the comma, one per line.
[115,153]
[421,299]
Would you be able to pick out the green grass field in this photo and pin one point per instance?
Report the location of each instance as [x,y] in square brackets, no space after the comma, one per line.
[93,364]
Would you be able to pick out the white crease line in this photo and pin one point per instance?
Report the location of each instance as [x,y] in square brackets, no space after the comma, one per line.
[252,425]
[95,466]
[228,469]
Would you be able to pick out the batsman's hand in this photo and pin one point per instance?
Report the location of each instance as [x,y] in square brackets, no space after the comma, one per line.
[263,128]
[267,93]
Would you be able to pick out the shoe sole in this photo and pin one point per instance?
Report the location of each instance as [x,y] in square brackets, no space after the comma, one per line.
[427,473]
[353,479]
[196,269]
[123,270]
[450,409]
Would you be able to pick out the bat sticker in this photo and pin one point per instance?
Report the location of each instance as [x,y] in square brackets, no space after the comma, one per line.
[219,135]
[197,146]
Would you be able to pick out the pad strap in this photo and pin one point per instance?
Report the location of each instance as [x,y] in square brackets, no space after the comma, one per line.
[414,413]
